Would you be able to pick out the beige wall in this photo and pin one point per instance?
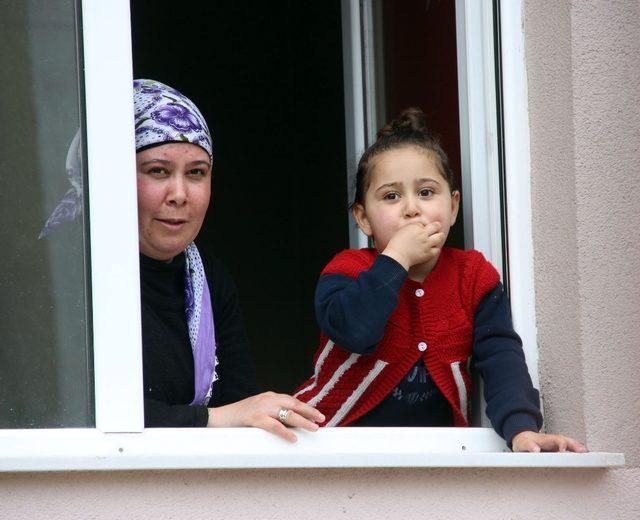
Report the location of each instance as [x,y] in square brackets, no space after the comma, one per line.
[584,90]
[322,494]
[584,95]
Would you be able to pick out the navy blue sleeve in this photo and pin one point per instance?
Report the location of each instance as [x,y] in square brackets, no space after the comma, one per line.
[353,313]
[513,404]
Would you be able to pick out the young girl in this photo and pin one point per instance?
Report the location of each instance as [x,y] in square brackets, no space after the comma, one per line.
[400,322]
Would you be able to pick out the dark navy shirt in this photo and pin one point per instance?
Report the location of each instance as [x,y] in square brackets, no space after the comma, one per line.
[416,401]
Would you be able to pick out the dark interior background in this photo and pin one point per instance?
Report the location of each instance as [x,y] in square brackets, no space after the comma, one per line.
[419,60]
[268,79]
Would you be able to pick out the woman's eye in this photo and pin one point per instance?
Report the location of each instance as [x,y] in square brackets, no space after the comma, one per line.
[197,172]
[157,170]
[425,192]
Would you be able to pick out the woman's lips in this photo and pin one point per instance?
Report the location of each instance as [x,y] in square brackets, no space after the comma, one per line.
[171,223]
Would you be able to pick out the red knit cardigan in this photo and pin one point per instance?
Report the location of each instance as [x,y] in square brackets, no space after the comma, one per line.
[436,326]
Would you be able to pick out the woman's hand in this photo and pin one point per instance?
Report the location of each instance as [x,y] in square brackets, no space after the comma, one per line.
[262,411]
[536,442]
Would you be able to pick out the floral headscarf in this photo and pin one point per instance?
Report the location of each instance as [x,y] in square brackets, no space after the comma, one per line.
[162,114]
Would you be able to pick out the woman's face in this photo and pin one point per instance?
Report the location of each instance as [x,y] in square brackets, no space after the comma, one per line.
[174,187]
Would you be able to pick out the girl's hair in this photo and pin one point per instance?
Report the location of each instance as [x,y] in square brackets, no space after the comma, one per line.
[408,129]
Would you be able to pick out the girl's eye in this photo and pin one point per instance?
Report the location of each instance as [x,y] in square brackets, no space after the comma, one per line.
[391,196]
[425,192]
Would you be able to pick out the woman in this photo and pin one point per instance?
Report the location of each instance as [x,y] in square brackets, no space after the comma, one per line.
[197,368]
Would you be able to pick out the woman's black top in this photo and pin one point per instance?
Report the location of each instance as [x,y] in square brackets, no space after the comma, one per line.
[166,350]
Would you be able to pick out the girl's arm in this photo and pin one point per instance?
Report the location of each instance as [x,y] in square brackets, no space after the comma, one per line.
[513,404]
[354,312]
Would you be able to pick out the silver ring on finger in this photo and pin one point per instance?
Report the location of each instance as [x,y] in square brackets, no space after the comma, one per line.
[282,415]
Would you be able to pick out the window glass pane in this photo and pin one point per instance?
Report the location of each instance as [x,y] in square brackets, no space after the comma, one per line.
[45,362]
[416,65]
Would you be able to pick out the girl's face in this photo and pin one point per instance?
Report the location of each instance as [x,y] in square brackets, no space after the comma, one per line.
[405,186]
[174,187]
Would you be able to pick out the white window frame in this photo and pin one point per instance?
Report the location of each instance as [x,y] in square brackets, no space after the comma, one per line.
[119,440]
[480,156]
[117,337]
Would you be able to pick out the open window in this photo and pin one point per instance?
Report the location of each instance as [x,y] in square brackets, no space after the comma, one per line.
[294,92]
[280,128]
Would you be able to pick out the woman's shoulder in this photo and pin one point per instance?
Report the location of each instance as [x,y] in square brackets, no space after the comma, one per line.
[351,262]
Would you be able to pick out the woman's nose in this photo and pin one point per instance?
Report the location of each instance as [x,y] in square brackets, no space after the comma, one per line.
[177,193]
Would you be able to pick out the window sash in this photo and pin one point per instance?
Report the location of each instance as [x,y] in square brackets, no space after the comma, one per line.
[478,129]
[479,157]
[117,344]
[518,181]
[356,128]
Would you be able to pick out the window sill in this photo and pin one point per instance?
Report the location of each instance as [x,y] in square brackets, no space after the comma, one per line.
[78,449]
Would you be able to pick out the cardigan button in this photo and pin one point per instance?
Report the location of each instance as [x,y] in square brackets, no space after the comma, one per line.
[422,346]
[419,293]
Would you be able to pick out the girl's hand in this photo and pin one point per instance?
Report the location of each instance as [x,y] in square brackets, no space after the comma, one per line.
[536,442]
[415,243]
[261,411]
